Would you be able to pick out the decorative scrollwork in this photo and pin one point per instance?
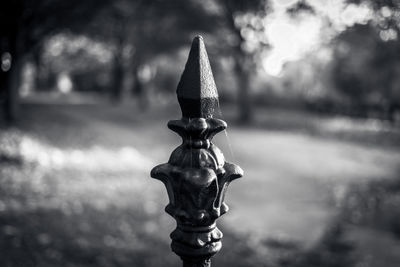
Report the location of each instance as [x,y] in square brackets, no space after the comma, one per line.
[196,176]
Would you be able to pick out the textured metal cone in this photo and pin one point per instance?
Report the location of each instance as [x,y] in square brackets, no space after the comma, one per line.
[197,92]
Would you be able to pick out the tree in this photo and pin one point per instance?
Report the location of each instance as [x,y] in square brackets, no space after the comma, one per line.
[367,66]
[243,20]
[386,14]
[9,61]
[139,31]
[24,24]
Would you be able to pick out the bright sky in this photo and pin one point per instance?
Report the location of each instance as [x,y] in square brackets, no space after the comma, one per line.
[292,38]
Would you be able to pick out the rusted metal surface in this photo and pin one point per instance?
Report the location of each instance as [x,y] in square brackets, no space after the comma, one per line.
[196,176]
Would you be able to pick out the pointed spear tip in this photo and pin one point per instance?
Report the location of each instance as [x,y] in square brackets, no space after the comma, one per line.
[197,92]
[198,37]
[197,43]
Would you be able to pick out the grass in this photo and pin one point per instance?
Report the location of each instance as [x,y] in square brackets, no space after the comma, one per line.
[75,189]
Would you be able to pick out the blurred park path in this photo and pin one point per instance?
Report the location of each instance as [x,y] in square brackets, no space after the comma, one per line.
[81,173]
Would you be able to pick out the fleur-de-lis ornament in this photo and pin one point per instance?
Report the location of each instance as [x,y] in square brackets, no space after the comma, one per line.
[196,176]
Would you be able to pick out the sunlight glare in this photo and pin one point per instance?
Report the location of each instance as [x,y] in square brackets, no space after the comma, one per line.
[64,83]
[290,41]
[292,38]
[355,14]
[95,158]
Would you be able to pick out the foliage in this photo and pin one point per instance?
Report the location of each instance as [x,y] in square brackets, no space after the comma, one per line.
[365,67]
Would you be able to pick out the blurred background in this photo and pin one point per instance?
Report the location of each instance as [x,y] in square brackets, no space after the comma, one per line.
[311,93]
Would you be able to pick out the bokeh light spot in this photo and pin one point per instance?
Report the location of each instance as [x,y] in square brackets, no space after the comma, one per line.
[6,60]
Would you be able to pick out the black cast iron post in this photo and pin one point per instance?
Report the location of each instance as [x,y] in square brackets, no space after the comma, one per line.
[197,175]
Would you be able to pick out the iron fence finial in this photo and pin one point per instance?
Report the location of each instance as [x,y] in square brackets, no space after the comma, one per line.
[197,175]
[197,92]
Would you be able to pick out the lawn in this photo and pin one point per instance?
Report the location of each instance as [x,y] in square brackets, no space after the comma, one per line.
[317,191]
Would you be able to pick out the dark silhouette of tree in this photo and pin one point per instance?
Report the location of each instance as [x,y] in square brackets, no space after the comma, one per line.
[242,19]
[385,13]
[24,25]
[353,55]
[137,31]
[367,66]
[147,29]
[386,22]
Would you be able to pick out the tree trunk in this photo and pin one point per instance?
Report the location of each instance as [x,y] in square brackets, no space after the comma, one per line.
[244,95]
[139,90]
[38,79]
[11,101]
[391,112]
[117,79]
[243,68]
[11,77]
[137,86]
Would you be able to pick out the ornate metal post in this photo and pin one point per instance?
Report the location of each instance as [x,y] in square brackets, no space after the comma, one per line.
[196,175]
